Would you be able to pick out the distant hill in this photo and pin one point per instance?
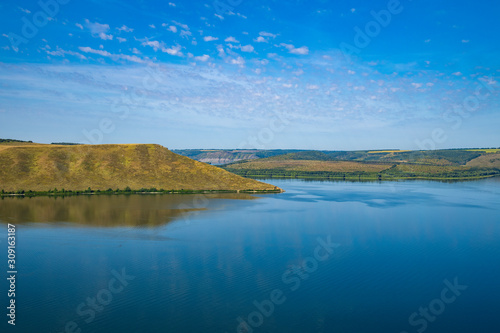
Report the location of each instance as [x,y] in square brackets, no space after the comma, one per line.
[382,164]
[39,167]
[225,156]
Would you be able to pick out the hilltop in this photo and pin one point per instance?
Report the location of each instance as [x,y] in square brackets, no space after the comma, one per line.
[39,167]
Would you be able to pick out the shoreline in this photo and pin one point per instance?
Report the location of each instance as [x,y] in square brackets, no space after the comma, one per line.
[66,193]
[368,178]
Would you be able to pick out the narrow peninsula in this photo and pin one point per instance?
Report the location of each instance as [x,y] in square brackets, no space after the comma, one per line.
[31,168]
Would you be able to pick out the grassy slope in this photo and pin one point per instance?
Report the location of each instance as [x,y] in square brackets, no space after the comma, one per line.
[488,160]
[310,165]
[43,167]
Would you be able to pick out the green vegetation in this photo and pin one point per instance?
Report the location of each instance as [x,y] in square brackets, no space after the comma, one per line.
[89,191]
[13,141]
[91,169]
[65,143]
[383,165]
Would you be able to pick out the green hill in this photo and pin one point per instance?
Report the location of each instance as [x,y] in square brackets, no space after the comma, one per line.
[382,164]
[38,167]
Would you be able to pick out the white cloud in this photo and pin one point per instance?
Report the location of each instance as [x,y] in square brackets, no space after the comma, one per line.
[172,28]
[457,74]
[220,49]
[465,40]
[103,36]
[301,50]
[267,34]
[247,48]
[204,57]
[219,16]
[87,49]
[260,39]
[136,51]
[209,38]
[231,40]
[61,53]
[292,49]
[79,25]
[416,85]
[427,41]
[171,4]
[125,28]
[350,72]
[154,44]
[185,33]
[152,26]
[115,57]
[24,10]
[98,30]
[183,26]
[312,87]
[121,40]
[238,61]
[174,50]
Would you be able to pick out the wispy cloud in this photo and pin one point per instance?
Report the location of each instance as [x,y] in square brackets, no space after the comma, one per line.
[203,58]
[183,26]
[98,30]
[267,34]
[156,45]
[209,38]
[247,48]
[115,57]
[125,29]
[174,50]
[303,50]
[61,53]
[26,11]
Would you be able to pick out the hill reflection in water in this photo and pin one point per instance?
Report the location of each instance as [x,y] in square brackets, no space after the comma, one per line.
[112,210]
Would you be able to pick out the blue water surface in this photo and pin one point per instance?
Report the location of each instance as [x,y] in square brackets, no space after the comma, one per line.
[346,257]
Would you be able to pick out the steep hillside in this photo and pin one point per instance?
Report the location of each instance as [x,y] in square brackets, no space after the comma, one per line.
[100,167]
[491,160]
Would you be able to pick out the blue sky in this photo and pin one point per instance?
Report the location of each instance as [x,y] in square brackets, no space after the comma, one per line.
[252,74]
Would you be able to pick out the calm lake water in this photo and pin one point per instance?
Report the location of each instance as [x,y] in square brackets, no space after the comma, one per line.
[342,257]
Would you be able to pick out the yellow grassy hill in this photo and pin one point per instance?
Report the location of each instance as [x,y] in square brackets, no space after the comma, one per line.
[39,167]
